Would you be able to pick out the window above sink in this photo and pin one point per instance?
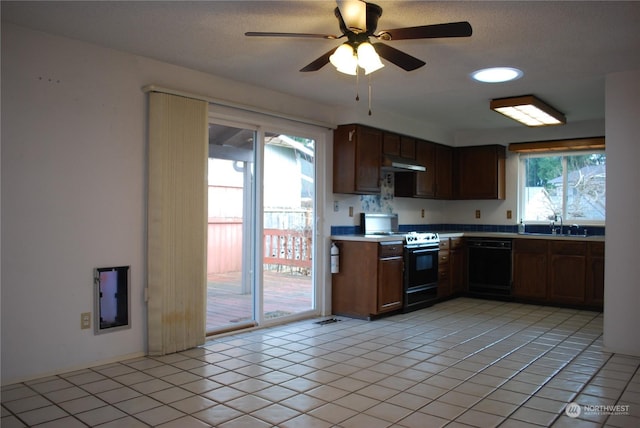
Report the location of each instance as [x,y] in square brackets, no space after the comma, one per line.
[570,185]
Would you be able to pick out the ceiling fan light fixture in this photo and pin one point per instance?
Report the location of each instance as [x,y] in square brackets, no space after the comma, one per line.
[528,110]
[354,14]
[344,59]
[368,58]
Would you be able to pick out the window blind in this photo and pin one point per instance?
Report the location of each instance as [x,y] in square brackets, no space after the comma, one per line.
[176,224]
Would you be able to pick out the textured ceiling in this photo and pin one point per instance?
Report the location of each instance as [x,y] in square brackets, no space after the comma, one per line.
[564,48]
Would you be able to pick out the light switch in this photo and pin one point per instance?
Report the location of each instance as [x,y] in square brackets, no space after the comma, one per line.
[85,320]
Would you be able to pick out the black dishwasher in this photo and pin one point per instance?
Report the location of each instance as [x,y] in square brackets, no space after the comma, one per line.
[489,268]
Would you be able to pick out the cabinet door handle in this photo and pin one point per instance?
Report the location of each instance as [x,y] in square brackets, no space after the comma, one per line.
[386,305]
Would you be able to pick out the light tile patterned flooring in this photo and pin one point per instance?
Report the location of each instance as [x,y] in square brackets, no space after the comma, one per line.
[460,363]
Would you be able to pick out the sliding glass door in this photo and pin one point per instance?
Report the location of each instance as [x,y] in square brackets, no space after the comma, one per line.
[288,226]
[259,254]
[230,296]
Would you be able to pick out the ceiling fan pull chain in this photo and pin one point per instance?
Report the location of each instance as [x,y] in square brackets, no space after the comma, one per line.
[369,95]
[357,85]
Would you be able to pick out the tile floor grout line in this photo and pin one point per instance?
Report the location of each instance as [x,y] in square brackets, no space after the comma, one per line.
[521,370]
[617,400]
[546,344]
[548,380]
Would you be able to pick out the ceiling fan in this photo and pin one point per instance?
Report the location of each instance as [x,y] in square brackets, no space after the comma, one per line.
[358,22]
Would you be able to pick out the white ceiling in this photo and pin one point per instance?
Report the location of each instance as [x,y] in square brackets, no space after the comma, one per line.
[564,48]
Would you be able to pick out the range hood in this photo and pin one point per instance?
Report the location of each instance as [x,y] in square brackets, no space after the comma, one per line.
[397,163]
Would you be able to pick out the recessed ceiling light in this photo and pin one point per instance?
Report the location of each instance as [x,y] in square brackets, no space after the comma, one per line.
[497,74]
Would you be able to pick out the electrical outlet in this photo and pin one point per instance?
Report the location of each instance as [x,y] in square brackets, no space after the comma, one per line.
[350,211]
[509,214]
[85,320]
[477,213]
[422,213]
[336,206]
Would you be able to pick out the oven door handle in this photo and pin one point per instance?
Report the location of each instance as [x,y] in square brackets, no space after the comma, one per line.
[422,250]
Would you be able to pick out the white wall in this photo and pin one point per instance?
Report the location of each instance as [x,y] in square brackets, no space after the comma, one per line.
[622,270]
[73,195]
[520,133]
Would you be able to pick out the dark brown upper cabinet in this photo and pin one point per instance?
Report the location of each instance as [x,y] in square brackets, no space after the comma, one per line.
[436,182]
[444,172]
[418,184]
[479,172]
[357,155]
[398,145]
[475,172]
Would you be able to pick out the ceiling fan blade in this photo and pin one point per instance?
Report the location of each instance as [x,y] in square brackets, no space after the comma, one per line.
[452,29]
[399,58]
[319,63]
[307,35]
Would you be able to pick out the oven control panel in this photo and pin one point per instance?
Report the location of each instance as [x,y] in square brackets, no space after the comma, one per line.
[413,238]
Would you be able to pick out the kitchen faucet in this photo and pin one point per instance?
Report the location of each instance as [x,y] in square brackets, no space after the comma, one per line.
[554,218]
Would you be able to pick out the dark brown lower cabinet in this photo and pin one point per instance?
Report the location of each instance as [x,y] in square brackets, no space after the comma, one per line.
[370,279]
[595,275]
[457,264]
[567,272]
[559,272]
[390,270]
[451,266]
[530,269]
[444,272]
[548,271]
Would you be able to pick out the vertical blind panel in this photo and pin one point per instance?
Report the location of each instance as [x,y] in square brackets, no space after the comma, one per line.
[177,221]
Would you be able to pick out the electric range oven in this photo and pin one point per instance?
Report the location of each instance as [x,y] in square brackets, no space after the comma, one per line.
[420,270]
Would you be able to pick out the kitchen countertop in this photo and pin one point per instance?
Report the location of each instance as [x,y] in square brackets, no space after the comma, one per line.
[369,238]
[453,234]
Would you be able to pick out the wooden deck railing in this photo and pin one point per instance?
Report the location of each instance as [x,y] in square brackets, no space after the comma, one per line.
[281,247]
[287,247]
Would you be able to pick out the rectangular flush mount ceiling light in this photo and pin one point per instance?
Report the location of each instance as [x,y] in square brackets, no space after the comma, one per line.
[528,110]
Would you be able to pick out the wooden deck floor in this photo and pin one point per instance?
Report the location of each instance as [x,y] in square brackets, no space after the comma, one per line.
[284,293]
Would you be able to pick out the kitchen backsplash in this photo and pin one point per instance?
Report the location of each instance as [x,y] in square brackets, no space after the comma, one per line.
[502,228]
[382,203]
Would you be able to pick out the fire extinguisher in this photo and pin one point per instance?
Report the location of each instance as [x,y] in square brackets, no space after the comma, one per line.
[335,258]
